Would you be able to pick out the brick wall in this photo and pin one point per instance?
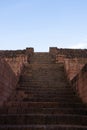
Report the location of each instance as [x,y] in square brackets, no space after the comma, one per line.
[11,65]
[73,59]
[79,83]
[73,66]
[8,81]
[16,59]
[16,63]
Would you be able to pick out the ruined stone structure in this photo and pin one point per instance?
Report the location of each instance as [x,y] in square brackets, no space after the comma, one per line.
[43,91]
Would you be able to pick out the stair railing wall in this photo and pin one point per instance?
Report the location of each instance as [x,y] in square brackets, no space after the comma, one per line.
[8,81]
[79,83]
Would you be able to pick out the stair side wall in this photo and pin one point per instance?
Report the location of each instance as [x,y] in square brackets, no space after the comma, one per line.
[17,63]
[11,65]
[17,58]
[74,66]
[79,82]
[8,81]
[73,59]
[75,63]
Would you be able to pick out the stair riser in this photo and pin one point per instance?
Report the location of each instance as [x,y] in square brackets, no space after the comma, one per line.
[51,99]
[42,127]
[44,111]
[43,119]
[47,89]
[45,105]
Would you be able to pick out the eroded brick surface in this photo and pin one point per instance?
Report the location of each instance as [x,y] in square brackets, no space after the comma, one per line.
[79,82]
[8,81]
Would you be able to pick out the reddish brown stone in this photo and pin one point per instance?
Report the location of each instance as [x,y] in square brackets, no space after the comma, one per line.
[8,81]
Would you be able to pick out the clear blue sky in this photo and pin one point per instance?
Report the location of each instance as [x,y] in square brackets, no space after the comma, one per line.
[42,24]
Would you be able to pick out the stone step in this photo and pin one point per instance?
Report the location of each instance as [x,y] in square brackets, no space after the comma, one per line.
[41,99]
[34,66]
[44,74]
[40,61]
[51,65]
[45,88]
[44,104]
[47,92]
[36,99]
[43,84]
[41,79]
[47,97]
[41,58]
[43,119]
[51,95]
[61,110]
[43,127]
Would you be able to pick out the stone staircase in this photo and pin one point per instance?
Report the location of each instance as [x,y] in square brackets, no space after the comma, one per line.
[43,99]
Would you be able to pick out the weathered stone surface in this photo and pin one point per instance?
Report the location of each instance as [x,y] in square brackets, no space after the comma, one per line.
[8,81]
[73,66]
[16,63]
[11,65]
[79,83]
[73,59]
